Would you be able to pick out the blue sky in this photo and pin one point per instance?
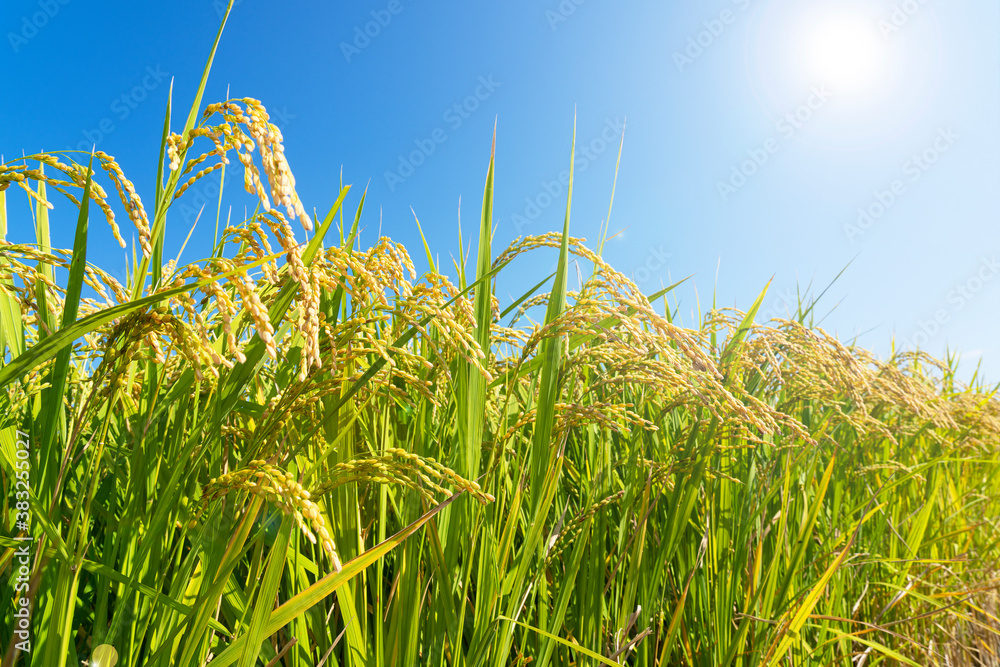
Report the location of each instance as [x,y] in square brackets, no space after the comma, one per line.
[764,138]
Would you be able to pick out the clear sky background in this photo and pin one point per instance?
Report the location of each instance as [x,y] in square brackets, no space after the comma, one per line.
[764,138]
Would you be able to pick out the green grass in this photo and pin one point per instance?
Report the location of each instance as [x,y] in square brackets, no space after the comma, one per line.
[297,452]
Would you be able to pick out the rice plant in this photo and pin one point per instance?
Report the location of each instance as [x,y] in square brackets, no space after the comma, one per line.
[297,451]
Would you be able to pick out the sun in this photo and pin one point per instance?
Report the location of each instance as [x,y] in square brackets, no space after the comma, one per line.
[845,51]
[879,82]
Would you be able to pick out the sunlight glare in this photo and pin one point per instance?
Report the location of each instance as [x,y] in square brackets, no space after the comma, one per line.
[845,52]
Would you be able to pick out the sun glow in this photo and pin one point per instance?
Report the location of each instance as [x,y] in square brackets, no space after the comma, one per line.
[846,52]
[879,79]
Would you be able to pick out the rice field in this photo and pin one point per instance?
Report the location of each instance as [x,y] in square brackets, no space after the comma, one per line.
[298,451]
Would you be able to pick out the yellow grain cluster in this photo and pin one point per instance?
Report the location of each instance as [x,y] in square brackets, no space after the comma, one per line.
[277,487]
[398,466]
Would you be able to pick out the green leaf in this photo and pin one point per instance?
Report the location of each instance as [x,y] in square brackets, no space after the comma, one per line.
[551,356]
[268,592]
[302,602]
[54,395]
[473,407]
[579,649]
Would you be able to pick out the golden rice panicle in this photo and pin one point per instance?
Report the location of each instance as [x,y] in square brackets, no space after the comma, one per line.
[617,295]
[453,324]
[391,262]
[253,240]
[225,308]
[77,175]
[278,487]
[398,466]
[309,323]
[258,313]
[376,470]
[308,294]
[570,531]
[431,467]
[102,281]
[793,360]
[272,150]
[190,340]
[130,200]
[229,135]
[194,179]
